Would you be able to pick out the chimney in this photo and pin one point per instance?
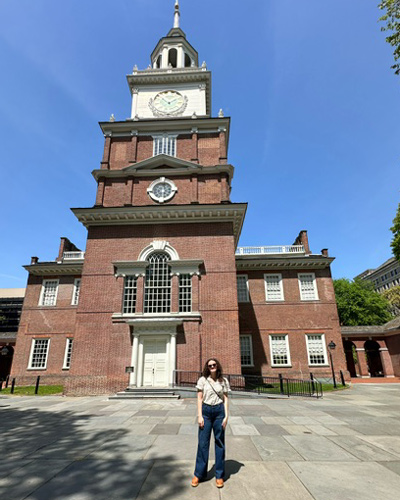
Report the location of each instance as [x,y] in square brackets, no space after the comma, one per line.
[34,260]
[302,239]
[324,252]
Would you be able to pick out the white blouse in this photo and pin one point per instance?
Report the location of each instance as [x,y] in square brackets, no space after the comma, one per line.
[213,391]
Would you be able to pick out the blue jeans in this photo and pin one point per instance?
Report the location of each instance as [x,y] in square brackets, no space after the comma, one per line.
[213,417]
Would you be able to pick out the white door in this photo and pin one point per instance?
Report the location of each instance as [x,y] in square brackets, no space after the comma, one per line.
[155,363]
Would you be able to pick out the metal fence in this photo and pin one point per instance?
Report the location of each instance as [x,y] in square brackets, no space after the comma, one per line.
[258,384]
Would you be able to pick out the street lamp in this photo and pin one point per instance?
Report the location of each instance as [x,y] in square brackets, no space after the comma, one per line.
[332,347]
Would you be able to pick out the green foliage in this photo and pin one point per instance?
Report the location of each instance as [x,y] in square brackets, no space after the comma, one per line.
[392,23]
[395,243]
[359,305]
[393,297]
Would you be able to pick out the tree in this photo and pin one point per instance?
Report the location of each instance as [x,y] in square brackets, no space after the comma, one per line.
[392,20]
[392,295]
[395,243]
[359,305]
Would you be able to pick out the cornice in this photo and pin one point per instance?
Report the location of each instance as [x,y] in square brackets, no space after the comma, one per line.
[54,268]
[266,262]
[138,267]
[166,214]
[149,126]
[166,172]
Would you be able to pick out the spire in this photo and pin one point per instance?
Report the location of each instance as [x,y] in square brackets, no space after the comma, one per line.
[177,14]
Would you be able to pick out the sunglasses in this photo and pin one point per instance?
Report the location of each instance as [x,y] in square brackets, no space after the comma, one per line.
[212,366]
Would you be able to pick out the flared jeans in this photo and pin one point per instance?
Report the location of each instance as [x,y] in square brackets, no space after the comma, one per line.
[213,417]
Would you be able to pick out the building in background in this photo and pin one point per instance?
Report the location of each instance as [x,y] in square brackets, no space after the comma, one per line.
[11,301]
[162,284]
[386,276]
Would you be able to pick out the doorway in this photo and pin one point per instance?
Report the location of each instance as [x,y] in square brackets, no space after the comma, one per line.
[155,363]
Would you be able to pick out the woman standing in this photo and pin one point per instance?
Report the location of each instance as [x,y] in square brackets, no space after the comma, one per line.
[212,411]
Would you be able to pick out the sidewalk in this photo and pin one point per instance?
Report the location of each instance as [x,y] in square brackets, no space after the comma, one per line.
[344,446]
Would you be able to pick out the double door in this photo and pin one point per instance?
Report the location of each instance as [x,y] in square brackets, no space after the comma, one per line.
[155,363]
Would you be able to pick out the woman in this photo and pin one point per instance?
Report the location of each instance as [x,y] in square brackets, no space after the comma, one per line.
[212,410]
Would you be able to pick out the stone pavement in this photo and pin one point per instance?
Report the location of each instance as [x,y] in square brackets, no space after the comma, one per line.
[345,446]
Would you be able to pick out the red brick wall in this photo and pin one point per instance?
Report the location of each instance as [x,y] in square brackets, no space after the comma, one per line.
[293,317]
[102,347]
[393,344]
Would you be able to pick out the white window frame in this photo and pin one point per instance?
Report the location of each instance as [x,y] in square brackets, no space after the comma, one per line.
[282,296]
[30,367]
[323,348]
[251,350]
[75,301]
[70,341]
[316,296]
[163,138]
[245,277]
[289,363]
[42,293]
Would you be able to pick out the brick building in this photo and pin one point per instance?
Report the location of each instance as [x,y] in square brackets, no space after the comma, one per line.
[162,284]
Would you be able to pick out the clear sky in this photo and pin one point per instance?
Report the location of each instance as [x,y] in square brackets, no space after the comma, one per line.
[315,137]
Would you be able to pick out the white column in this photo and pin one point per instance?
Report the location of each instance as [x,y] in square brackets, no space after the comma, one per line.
[164,59]
[140,364]
[134,362]
[181,58]
[172,356]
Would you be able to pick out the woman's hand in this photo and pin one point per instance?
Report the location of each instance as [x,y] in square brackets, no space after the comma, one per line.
[201,422]
[224,423]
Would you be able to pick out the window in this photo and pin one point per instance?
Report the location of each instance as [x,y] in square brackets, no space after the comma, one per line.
[242,288]
[246,350]
[75,295]
[185,293]
[39,354]
[308,286]
[67,355]
[48,295]
[157,287]
[164,145]
[316,349]
[273,287]
[279,347]
[130,288]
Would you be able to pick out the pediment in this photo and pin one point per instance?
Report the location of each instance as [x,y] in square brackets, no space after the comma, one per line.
[162,162]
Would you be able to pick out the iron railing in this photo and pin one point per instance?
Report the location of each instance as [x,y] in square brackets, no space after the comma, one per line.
[258,384]
[73,255]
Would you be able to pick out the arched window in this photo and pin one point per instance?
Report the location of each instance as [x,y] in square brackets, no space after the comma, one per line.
[157,287]
[158,62]
[173,57]
[188,61]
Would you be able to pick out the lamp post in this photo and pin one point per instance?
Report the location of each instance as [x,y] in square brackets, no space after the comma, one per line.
[331,347]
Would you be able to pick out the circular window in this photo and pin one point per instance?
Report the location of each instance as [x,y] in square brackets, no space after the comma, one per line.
[162,190]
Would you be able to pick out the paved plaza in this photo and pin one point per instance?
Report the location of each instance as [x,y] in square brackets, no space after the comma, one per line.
[345,446]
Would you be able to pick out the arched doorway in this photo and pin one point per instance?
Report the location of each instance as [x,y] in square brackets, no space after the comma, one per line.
[374,361]
[351,357]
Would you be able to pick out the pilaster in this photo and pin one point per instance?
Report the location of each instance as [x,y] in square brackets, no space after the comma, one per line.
[386,362]
[105,162]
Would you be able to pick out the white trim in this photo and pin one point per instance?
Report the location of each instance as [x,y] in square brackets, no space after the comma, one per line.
[165,136]
[247,288]
[160,245]
[251,350]
[73,303]
[316,297]
[162,199]
[69,341]
[289,363]
[322,335]
[42,292]
[282,296]
[31,354]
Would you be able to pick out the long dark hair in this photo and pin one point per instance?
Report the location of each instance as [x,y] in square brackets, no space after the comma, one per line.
[206,370]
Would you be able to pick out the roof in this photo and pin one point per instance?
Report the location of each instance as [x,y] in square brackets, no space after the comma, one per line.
[387,328]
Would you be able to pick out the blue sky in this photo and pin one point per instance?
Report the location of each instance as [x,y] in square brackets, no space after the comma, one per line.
[314,104]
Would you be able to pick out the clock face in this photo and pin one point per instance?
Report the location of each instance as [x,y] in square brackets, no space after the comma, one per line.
[168,103]
[162,190]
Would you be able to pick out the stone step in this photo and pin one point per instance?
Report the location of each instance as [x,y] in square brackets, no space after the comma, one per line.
[128,395]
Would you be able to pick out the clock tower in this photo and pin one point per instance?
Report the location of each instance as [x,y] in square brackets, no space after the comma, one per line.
[159,275]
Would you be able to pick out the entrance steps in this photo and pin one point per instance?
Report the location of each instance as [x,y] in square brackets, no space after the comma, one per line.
[146,393]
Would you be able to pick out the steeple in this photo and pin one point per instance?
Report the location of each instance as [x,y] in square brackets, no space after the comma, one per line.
[177,14]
